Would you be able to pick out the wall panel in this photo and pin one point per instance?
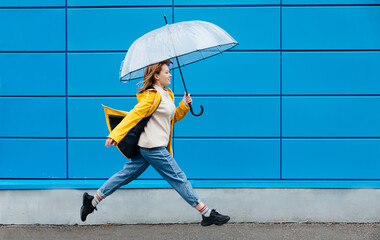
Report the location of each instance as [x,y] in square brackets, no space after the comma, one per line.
[331,158]
[32,30]
[33,158]
[97,74]
[262,32]
[232,117]
[330,72]
[229,158]
[111,29]
[316,28]
[33,117]
[32,74]
[331,117]
[86,116]
[232,73]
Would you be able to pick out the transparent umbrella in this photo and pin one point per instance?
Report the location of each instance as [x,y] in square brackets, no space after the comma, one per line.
[182,43]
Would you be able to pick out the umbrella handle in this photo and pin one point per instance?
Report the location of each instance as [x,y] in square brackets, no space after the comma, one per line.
[195,114]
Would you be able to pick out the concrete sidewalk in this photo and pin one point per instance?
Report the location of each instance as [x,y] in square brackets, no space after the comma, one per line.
[267,231]
[166,206]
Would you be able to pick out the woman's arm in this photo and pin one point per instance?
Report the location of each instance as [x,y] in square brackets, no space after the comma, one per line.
[139,112]
[183,108]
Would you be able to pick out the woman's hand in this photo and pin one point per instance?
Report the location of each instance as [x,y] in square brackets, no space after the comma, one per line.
[110,141]
[187,99]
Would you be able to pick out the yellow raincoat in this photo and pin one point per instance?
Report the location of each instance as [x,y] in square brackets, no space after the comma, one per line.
[125,127]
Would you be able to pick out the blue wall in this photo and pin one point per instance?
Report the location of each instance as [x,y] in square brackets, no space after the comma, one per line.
[295,104]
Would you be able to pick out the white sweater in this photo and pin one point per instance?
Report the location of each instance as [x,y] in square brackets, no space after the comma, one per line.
[157,131]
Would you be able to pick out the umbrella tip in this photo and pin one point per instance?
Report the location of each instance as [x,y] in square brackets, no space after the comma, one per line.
[165,19]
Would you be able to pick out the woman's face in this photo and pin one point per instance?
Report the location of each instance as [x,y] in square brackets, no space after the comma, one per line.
[163,78]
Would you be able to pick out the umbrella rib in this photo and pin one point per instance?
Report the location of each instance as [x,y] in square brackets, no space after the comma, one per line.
[201,54]
[169,34]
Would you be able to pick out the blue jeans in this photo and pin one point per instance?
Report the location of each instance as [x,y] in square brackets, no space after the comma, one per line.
[163,162]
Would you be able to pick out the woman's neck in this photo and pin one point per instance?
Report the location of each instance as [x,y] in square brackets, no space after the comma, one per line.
[159,85]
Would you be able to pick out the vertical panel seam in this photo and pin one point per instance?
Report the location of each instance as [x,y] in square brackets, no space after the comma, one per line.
[281,89]
[66,98]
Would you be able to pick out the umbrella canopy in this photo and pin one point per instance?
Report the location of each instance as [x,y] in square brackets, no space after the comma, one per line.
[183,43]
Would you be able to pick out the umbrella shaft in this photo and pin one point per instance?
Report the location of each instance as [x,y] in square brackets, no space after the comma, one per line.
[180,71]
[184,85]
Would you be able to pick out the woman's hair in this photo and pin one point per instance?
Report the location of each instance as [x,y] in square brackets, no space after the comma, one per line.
[149,80]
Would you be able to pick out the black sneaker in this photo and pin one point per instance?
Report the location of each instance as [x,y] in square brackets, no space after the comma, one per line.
[87,207]
[215,218]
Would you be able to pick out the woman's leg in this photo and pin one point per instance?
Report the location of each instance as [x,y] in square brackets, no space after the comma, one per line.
[132,169]
[164,163]
[168,168]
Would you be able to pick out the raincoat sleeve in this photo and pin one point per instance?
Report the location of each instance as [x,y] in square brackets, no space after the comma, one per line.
[181,111]
[140,111]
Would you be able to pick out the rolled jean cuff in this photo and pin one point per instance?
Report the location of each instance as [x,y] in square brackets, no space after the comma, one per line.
[196,203]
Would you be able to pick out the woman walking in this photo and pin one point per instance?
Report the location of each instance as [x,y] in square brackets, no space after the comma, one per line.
[154,145]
